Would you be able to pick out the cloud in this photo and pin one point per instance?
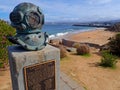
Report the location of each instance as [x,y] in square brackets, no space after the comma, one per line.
[7,6]
[99,1]
[4,8]
[60,10]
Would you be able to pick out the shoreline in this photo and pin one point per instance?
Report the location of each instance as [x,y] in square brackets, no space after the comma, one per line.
[83,31]
[69,33]
[99,36]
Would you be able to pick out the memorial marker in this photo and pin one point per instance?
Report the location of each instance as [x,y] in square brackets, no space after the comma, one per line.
[40,76]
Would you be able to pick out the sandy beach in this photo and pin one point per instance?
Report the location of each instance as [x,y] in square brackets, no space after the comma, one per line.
[84,70]
[98,36]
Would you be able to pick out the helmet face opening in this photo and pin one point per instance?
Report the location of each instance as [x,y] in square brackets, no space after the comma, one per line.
[33,19]
[16,17]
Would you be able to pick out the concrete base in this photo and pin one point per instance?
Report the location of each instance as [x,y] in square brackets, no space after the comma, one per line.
[19,58]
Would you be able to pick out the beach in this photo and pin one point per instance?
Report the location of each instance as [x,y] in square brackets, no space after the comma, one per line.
[97,36]
[84,70]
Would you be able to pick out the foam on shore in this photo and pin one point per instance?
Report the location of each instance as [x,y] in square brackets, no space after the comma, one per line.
[67,34]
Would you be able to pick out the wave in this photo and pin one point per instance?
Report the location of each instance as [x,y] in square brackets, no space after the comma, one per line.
[69,31]
[58,35]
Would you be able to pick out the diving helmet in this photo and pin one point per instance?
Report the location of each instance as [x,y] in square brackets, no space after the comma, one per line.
[28,20]
[27,16]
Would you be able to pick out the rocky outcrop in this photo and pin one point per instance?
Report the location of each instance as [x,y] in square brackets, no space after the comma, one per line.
[70,43]
[56,42]
[67,43]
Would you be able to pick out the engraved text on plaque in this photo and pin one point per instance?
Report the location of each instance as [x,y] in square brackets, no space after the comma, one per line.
[40,76]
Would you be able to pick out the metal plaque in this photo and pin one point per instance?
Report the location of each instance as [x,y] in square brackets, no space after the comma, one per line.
[40,76]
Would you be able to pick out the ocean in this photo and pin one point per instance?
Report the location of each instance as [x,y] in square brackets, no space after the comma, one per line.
[57,30]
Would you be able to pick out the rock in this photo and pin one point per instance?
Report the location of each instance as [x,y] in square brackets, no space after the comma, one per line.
[55,41]
[71,49]
[67,43]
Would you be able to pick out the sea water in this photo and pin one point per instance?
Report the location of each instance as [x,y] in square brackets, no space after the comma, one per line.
[57,30]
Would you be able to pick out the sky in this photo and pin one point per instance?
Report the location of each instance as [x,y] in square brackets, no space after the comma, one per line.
[68,10]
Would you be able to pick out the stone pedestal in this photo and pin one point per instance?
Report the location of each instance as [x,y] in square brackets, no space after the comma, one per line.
[20,58]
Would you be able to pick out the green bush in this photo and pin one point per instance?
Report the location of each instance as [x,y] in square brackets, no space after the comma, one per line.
[5,29]
[108,60]
[114,44]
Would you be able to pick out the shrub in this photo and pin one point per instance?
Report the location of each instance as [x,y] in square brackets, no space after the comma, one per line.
[83,49]
[5,29]
[63,52]
[114,44]
[108,60]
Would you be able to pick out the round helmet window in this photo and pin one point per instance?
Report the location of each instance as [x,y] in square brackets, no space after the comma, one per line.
[33,19]
[15,17]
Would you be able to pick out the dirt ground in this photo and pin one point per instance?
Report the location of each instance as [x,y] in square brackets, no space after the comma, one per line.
[5,80]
